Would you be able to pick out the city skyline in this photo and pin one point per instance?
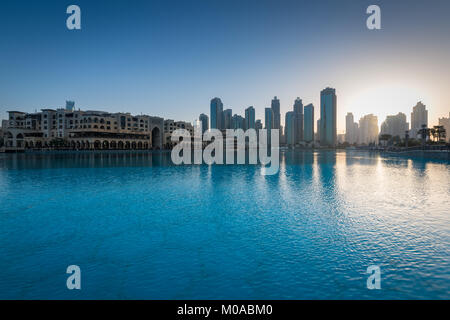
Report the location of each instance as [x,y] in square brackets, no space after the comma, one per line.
[134,63]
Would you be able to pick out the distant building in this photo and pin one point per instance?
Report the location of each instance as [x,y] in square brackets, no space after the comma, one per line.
[269,123]
[395,125]
[317,136]
[250,118]
[238,122]
[298,120]
[70,106]
[268,120]
[289,131]
[445,122]
[204,120]
[275,106]
[351,129]
[227,115]
[328,120]
[419,117]
[308,127]
[368,129]
[258,125]
[216,114]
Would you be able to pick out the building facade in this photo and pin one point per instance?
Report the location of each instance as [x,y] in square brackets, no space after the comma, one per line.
[368,129]
[395,125]
[308,123]
[87,130]
[250,118]
[351,129]
[204,121]
[328,120]
[298,120]
[216,112]
[227,116]
[171,125]
[238,122]
[289,131]
[275,106]
[419,117]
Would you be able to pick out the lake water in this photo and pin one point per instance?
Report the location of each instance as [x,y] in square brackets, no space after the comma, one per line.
[141,228]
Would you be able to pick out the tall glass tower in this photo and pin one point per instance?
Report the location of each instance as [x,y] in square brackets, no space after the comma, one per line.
[204,120]
[276,113]
[298,120]
[308,127]
[227,118]
[328,122]
[216,114]
[250,118]
[269,123]
[289,128]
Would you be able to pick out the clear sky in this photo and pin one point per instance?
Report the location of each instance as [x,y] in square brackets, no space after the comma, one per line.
[169,58]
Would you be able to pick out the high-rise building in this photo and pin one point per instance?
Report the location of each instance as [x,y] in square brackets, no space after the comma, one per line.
[419,117]
[368,129]
[289,131]
[395,125]
[298,120]
[308,126]
[445,122]
[227,115]
[216,114]
[276,113]
[258,125]
[204,120]
[351,129]
[268,120]
[250,118]
[70,106]
[269,123]
[328,121]
[237,122]
[317,136]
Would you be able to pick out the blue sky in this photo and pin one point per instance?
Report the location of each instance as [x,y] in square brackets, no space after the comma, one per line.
[169,58]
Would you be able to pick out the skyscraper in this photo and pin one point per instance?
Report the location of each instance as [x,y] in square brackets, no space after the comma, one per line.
[216,114]
[419,117]
[328,121]
[269,123]
[368,129]
[276,113]
[351,129]
[227,115]
[298,120]
[250,118]
[289,131]
[204,120]
[237,122]
[395,125]
[268,118]
[258,125]
[308,127]
[317,138]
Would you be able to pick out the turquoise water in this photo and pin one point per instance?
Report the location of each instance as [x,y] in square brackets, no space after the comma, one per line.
[141,228]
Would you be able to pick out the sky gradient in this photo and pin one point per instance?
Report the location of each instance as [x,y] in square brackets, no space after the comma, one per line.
[169,58]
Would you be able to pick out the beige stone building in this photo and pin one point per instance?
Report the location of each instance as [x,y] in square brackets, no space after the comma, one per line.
[81,130]
[171,125]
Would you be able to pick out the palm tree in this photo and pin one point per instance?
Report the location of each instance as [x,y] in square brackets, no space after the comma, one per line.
[385,137]
[424,133]
[439,133]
